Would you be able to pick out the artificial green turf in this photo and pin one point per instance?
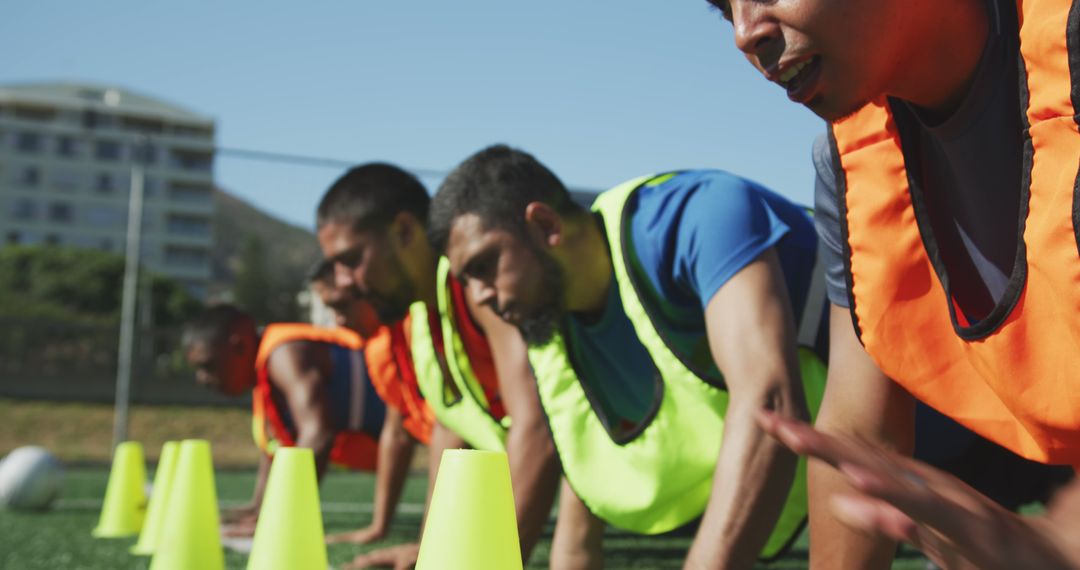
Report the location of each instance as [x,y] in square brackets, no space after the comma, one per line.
[60,538]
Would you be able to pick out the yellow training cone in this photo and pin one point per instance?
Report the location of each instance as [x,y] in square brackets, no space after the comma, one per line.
[471,523]
[155,511]
[289,535]
[190,537]
[125,496]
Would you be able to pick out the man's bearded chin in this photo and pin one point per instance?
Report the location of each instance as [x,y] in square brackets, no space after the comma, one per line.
[538,329]
[391,313]
[393,309]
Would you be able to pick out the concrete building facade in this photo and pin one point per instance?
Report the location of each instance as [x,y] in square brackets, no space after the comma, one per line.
[66,156]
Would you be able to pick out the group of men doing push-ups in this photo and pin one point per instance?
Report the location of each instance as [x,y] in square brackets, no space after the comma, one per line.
[662,352]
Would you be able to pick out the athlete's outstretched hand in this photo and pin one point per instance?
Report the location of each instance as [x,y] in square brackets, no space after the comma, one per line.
[957,527]
[400,557]
[365,535]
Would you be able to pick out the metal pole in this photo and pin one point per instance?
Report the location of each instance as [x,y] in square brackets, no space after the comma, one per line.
[127,310]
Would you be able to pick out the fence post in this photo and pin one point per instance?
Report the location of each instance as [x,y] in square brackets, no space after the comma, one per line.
[125,354]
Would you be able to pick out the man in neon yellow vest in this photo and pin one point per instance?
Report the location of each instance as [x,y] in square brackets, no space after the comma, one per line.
[659,325]
[471,367]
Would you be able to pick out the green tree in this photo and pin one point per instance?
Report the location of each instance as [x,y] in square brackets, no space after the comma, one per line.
[266,296]
[69,284]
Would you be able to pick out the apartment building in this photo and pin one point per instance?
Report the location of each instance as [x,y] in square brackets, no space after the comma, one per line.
[66,157]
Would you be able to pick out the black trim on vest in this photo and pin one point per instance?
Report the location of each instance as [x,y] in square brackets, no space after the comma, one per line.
[910,145]
[906,126]
[841,202]
[658,378]
[594,402]
[1072,36]
[624,234]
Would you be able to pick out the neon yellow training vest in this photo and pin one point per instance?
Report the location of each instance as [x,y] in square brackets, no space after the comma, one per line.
[460,406]
[661,477]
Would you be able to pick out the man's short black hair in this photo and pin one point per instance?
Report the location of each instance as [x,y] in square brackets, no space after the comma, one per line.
[322,270]
[214,325]
[496,184]
[369,196]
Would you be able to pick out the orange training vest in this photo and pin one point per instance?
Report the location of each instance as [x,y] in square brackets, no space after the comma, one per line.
[1013,377]
[390,347]
[352,449]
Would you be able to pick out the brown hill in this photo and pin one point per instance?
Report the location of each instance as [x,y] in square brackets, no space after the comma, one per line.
[289,250]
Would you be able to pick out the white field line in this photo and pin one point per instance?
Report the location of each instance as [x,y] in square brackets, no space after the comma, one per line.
[328,507]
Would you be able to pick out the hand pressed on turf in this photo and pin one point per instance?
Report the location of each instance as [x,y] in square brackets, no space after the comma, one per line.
[367,535]
[953,524]
[241,528]
[400,557]
[237,514]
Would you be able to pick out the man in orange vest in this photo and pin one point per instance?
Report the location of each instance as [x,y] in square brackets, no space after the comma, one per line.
[945,200]
[312,387]
[345,309]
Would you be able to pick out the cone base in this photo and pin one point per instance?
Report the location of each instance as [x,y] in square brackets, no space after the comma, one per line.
[99,533]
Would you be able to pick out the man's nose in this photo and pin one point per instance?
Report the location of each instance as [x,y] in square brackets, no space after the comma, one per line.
[483,293]
[756,31]
[343,276]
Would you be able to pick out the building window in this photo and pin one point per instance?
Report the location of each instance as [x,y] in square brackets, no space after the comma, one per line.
[60,212]
[65,180]
[107,150]
[142,125]
[191,193]
[180,224]
[35,113]
[24,209]
[104,183]
[192,131]
[30,176]
[29,143]
[186,256]
[104,216]
[147,153]
[150,186]
[194,161]
[66,147]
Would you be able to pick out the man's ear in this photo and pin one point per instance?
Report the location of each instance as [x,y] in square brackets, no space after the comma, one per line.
[236,342]
[405,229]
[544,223]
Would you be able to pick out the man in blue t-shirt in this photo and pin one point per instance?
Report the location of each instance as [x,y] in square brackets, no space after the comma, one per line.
[723,268]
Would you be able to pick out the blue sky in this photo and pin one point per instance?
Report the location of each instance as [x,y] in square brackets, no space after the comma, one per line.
[599,90]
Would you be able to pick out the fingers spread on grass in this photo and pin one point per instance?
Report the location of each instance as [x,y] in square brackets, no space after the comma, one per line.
[375,559]
[400,556]
[362,536]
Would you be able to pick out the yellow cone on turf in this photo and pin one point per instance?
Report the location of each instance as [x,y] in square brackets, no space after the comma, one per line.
[155,511]
[124,508]
[471,523]
[190,539]
[289,535]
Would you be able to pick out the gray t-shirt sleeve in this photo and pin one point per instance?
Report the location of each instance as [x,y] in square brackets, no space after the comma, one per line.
[827,222]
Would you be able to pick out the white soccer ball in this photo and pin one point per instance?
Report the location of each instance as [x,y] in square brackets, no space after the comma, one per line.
[30,479]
